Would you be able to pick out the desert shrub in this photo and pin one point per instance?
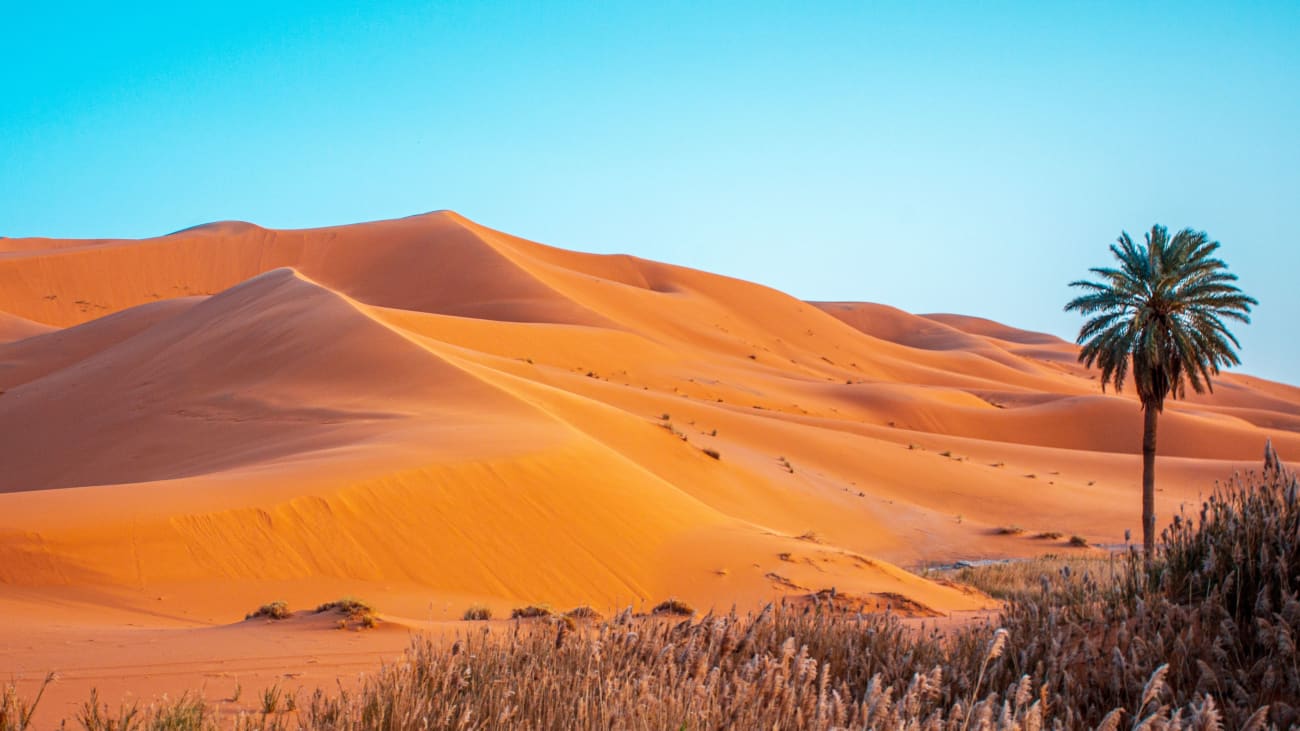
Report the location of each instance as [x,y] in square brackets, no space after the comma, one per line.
[1049,535]
[712,452]
[274,610]
[583,612]
[477,613]
[347,605]
[353,610]
[1010,530]
[1078,541]
[673,606]
[532,611]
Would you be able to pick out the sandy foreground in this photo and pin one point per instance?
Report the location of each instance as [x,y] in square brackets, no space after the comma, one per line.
[428,414]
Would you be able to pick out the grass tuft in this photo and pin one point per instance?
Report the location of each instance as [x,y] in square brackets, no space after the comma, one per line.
[673,606]
[532,611]
[273,610]
[355,612]
[15,711]
[583,612]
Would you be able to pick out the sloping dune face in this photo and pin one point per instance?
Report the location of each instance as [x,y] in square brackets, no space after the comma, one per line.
[433,409]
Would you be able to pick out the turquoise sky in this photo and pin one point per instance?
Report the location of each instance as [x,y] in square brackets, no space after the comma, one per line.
[968,157]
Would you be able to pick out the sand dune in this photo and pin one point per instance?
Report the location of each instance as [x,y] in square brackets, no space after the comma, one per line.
[433,413]
[13,328]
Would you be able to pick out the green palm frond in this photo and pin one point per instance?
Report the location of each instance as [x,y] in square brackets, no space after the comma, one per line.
[1158,315]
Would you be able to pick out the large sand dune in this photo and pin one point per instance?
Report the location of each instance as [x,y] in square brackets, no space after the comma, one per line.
[432,413]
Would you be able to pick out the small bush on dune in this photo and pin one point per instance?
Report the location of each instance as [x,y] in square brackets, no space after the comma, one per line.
[274,610]
[532,611]
[477,613]
[347,605]
[1078,541]
[673,606]
[1010,530]
[353,610]
[583,612]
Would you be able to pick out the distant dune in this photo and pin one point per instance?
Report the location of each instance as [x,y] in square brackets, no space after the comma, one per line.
[436,412]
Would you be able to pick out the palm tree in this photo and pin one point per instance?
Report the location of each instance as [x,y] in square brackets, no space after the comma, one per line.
[1161,314]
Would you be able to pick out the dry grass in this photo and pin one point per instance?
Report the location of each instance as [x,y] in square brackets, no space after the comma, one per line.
[356,613]
[674,606]
[1202,638]
[274,610]
[187,713]
[532,611]
[16,711]
[1028,579]
[347,605]
[477,613]
[583,612]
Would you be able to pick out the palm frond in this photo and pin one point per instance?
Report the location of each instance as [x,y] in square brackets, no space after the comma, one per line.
[1159,314]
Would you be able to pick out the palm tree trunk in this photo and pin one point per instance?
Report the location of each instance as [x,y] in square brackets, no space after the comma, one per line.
[1151,413]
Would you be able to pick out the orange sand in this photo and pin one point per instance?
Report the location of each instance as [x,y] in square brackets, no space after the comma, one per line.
[428,413]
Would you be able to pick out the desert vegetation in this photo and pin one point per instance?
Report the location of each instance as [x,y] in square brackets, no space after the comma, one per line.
[1161,314]
[354,613]
[271,610]
[674,607]
[583,612]
[532,611]
[1201,637]
[1026,579]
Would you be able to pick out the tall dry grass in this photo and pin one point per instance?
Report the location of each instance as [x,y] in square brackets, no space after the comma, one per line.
[1204,638]
[1027,578]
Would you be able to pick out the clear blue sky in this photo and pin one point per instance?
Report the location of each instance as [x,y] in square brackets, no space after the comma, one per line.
[964,157]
